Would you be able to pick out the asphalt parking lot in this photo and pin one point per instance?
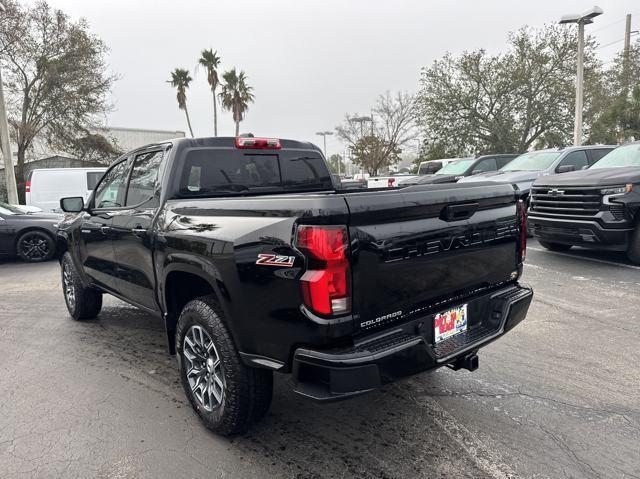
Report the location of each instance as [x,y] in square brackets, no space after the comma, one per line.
[558,397]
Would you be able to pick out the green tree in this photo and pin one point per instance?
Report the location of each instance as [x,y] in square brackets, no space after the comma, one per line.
[617,116]
[373,153]
[92,148]
[56,76]
[180,80]
[210,61]
[507,102]
[392,126]
[336,164]
[236,95]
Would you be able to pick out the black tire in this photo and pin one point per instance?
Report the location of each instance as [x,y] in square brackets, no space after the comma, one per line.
[246,392]
[82,302]
[633,250]
[35,246]
[555,246]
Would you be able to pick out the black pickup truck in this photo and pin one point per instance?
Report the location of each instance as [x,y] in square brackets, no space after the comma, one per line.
[256,263]
[596,208]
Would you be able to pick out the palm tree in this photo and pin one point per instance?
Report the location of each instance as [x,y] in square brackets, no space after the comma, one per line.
[180,80]
[210,60]
[236,95]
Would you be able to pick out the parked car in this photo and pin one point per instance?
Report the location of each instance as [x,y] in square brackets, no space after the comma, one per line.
[595,208]
[45,186]
[348,183]
[255,263]
[458,169]
[29,236]
[389,181]
[523,170]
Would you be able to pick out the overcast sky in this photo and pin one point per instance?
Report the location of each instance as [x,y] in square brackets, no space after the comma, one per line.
[309,61]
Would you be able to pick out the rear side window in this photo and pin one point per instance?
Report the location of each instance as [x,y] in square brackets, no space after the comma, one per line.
[92,179]
[144,177]
[220,171]
[597,154]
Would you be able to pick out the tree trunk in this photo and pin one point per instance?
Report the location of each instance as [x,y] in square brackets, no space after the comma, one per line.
[215,114]
[20,175]
[237,128]
[186,112]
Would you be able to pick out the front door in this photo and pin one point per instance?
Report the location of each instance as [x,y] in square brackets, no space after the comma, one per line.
[96,250]
[132,238]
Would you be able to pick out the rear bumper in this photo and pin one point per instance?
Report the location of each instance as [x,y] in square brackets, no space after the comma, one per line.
[588,233]
[328,375]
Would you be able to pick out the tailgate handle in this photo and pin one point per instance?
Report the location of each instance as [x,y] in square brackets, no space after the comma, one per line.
[458,212]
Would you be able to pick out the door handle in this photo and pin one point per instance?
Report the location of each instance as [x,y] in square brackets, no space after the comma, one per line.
[139,232]
[105,229]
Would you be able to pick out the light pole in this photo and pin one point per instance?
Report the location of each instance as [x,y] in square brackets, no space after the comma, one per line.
[324,134]
[5,144]
[581,19]
[361,120]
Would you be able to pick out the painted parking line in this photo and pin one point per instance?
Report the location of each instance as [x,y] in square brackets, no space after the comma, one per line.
[595,260]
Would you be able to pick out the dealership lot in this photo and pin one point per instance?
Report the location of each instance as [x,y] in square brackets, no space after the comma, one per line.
[559,397]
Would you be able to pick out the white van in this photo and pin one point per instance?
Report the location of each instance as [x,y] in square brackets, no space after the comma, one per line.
[46,186]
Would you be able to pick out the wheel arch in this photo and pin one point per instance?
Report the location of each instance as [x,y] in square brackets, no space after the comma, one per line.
[182,283]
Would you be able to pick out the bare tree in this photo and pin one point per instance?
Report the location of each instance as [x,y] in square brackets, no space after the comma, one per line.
[392,126]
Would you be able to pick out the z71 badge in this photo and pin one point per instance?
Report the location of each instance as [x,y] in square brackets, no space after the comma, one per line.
[275,260]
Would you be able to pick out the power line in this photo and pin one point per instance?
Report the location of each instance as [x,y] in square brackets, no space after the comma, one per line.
[617,41]
[608,25]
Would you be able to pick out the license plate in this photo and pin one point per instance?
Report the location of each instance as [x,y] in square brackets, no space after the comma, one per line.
[449,323]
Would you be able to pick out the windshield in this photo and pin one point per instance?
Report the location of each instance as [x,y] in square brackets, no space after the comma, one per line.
[534,161]
[455,167]
[6,209]
[628,155]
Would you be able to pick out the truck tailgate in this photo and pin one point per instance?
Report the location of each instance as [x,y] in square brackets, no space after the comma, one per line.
[420,247]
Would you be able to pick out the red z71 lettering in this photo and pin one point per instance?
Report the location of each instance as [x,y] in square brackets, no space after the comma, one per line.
[275,260]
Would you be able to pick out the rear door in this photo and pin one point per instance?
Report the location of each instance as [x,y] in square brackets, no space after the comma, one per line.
[413,250]
[96,251]
[131,239]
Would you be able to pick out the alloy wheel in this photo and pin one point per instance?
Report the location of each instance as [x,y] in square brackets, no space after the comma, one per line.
[203,368]
[34,247]
[68,286]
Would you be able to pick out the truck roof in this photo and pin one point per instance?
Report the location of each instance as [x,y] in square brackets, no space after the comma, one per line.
[230,142]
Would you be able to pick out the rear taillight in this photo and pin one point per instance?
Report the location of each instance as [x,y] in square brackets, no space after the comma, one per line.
[390,182]
[250,143]
[27,187]
[326,285]
[523,230]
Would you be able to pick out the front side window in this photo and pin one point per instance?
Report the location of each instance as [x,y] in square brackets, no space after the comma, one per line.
[144,178]
[483,166]
[457,167]
[111,189]
[577,159]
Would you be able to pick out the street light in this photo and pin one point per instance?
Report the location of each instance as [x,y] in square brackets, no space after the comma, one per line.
[361,120]
[581,19]
[324,134]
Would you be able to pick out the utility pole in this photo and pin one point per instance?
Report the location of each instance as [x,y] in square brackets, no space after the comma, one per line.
[581,19]
[5,143]
[627,48]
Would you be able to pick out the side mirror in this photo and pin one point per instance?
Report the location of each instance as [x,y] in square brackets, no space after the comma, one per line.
[565,168]
[73,204]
